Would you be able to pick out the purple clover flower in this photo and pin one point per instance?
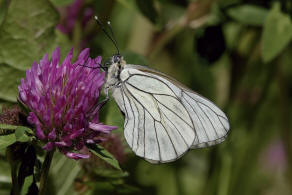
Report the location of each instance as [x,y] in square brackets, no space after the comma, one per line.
[63,100]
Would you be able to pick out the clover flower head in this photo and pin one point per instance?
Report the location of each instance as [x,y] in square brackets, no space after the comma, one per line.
[63,102]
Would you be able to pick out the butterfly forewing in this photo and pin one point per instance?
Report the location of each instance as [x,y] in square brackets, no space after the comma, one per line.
[163,118]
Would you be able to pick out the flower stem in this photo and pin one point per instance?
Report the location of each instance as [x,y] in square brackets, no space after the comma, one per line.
[15,186]
[45,172]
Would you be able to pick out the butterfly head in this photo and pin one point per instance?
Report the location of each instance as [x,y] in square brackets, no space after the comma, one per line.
[117,64]
[117,58]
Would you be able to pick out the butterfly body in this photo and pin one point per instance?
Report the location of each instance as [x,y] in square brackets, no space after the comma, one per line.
[163,118]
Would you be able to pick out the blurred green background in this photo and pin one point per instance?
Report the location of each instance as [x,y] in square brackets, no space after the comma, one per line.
[237,53]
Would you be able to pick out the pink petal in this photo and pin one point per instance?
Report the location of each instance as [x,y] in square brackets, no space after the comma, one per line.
[49,146]
[39,133]
[63,144]
[76,156]
[52,135]
[76,133]
[56,56]
[102,128]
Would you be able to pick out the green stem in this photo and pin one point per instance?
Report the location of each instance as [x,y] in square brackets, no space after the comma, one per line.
[45,172]
[15,186]
[14,164]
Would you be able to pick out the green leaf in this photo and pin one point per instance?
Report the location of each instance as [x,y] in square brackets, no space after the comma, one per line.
[19,131]
[277,33]
[15,127]
[8,127]
[20,134]
[9,80]
[28,181]
[27,34]
[248,14]
[26,129]
[104,155]
[108,173]
[148,9]
[64,171]
[6,140]
[59,3]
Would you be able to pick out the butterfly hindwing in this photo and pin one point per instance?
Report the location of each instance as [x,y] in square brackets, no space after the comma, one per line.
[211,124]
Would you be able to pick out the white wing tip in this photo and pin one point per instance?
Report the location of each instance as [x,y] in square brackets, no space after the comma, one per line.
[209,143]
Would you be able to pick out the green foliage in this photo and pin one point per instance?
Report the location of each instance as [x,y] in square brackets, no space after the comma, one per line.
[16,128]
[277,33]
[27,183]
[10,134]
[112,174]
[102,153]
[27,34]
[9,80]
[148,9]
[63,174]
[7,127]
[6,140]
[20,134]
[248,14]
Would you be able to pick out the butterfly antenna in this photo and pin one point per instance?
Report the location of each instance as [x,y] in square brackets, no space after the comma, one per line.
[107,34]
[113,35]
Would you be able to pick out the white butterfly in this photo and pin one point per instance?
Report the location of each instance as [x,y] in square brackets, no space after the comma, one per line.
[163,118]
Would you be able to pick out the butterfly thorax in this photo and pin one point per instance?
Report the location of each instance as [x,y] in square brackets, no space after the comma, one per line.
[114,71]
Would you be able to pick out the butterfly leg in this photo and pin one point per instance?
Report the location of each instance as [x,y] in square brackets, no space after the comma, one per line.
[106,97]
